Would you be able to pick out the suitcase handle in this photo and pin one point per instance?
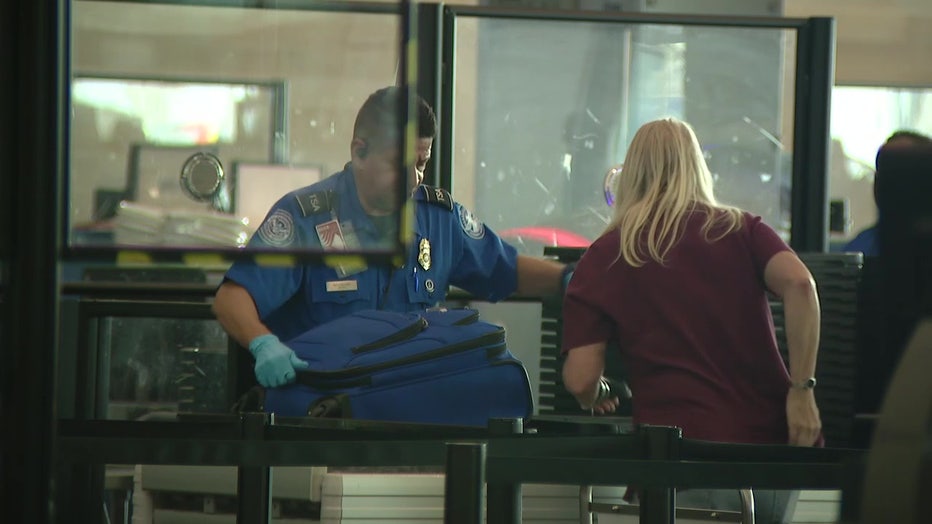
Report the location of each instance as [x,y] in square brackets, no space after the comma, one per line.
[336,406]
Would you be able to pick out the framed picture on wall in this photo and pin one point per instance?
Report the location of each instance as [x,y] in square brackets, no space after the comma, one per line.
[256,186]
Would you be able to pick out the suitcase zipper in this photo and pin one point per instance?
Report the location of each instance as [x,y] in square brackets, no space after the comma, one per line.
[471,319]
[398,336]
[496,339]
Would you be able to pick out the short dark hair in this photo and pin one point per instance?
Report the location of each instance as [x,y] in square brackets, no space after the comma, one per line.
[377,120]
[911,138]
[906,134]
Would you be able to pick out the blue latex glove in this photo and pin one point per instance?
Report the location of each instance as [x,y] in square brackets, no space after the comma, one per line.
[275,362]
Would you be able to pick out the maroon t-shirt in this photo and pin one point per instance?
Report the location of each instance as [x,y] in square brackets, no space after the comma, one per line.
[696,334]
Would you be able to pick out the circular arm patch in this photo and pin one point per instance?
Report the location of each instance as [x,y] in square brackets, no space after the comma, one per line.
[471,225]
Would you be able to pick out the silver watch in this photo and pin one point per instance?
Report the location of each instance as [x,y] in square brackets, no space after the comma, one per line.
[809,383]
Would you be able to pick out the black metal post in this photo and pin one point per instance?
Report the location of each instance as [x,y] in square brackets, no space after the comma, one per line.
[815,76]
[102,351]
[658,505]
[34,147]
[464,483]
[241,378]
[80,486]
[448,95]
[504,505]
[429,43]
[68,382]
[254,483]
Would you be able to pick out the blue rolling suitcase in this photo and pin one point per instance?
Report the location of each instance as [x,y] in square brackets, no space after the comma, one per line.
[435,366]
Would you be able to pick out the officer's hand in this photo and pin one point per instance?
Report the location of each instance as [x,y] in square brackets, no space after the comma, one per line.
[275,362]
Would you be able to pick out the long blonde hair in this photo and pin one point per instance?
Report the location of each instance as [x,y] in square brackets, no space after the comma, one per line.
[663,179]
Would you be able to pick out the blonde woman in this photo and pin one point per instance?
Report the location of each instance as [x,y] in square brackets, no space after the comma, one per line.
[679,282]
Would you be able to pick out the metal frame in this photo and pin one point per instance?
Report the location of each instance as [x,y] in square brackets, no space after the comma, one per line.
[35,66]
[658,460]
[565,457]
[745,516]
[284,5]
[429,81]
[815,74]
[814,77]
[448,98]
[254,442]
[94,319]
[90,380]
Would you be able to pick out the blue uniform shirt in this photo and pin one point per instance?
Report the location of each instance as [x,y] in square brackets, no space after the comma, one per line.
[462,252]
[865,242]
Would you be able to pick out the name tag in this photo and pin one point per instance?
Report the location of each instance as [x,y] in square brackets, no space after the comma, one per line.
[335,286]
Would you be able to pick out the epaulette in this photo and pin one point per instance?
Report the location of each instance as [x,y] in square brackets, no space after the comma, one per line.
[437,196]
[313,202]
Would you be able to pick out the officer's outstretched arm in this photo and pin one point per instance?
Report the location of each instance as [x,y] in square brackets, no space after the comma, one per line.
[237,313]
[539,277]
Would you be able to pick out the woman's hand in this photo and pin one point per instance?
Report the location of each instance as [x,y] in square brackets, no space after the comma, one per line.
[606,405]
[802,417]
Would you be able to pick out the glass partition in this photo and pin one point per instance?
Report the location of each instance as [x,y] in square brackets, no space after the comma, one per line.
[545,108]
[144,360]
[168,98]
[164,366]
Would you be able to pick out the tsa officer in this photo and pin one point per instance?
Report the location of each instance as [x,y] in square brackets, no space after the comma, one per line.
[262,306]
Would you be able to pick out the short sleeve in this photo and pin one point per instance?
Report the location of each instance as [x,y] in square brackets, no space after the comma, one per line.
[585,320]
[271,287]
[763,242]
[486,267]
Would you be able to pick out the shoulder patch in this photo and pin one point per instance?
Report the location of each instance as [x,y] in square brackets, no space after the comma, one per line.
[437,196]
[471,225]
[314,202]
[278,229]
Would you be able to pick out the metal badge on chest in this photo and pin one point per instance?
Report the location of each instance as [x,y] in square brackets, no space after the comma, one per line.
[424,260]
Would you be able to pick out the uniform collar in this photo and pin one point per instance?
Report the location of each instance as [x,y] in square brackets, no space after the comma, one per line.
[351,207]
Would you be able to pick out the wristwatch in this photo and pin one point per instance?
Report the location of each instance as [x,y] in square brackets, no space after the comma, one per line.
[809,383]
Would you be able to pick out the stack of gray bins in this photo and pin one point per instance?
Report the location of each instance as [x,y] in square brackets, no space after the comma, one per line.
[837,277]
[553,397]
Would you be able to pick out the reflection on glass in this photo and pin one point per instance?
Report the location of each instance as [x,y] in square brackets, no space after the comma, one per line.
[155,83]
[131,138]
[862,119]
[165,366]
[543,110]
[258,186]
[173,112]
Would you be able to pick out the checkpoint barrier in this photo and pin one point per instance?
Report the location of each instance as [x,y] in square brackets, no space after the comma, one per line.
[559,450]
[254,442]
[587,508]
[656,459]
